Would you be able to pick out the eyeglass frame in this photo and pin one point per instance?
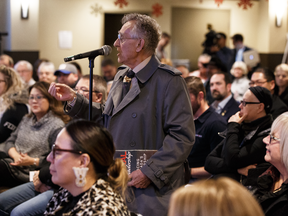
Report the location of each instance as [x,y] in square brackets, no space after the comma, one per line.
[37,98]
[244,103]
[274,138]
[54,149]
[121,39]
[84,90]
[260,83]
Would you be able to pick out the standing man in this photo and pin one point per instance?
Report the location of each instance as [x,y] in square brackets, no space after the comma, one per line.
[155,114]
[25,70]
[224,104]
[207,125]
[164,41]
[224,53]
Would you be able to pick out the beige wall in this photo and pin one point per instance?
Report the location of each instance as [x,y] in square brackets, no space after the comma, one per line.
[5,24]
[48,17]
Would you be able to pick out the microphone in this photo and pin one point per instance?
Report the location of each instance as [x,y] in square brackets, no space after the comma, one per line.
[104,50]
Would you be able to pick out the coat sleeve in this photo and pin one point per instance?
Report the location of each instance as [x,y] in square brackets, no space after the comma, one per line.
[214,163]
[81,110]
[178,126]
[250,153]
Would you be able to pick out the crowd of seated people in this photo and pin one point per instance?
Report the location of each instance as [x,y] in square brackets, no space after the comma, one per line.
[72,164]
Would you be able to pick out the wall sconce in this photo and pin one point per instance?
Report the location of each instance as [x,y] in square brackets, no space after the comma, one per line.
[24,9]
[279,7]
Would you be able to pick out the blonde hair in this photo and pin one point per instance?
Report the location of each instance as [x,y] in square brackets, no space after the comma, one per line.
[241,65]
[15,88]
[280,125]
[283,67]
[221,197]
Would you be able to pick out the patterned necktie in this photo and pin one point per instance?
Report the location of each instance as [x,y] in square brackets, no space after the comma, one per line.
[127,82]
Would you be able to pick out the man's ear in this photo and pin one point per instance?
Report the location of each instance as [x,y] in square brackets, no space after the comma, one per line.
[140,45]
[98,97]
[272,84]
[201,95]
[229,87]
[261,107]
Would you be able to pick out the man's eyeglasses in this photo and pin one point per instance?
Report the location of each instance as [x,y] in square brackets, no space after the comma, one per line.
[83,90]
[122,39]
[273,138]
[257,83]
[244,103]
[55,149]
[37,97]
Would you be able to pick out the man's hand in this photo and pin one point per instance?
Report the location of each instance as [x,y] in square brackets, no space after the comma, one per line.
[61,92]
[138,179]
[244,170]
[38,185]
[237,118]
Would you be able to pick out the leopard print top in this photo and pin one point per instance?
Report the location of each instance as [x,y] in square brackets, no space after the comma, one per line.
[100,200]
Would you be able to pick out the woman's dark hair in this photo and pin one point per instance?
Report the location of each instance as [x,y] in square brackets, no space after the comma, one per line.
[97,142]
[54,105]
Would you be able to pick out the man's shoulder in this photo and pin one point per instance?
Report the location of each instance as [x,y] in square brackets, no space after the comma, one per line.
[169,69]
[232,103]
[211,117]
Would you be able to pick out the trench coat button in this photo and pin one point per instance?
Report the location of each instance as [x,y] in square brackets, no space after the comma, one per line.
[129,200]
[134,115]
[132,144]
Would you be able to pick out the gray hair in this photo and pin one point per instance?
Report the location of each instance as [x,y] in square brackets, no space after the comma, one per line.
[146,28]
[28,65]
[204,56]
[283,67]
[241,65]
[48,65]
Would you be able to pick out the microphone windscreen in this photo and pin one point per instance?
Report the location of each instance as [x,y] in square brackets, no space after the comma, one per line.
[107,50]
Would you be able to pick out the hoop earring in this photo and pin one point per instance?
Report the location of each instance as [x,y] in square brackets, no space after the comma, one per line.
[80,173]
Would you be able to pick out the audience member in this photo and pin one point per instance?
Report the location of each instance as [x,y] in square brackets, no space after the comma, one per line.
[67,74]
[224,53]
[13,101]
[46,72]
[281,78]
[266,78]
[79,69]
[203,61]
[224,104]
[240,83]
[6,60]
[272,185]
[36,67]
[243,145]
[164,41]
[213,66]
[33,138]
[207,125]
[99,91]
[221,197]
[184,70]
[25,70]
[37,194]
[108,69]
[109,85]
[156,122]
[91,181]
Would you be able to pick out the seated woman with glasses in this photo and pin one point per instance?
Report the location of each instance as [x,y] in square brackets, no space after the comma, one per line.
[92,182]
[13,100]
[271,190]
[27,146]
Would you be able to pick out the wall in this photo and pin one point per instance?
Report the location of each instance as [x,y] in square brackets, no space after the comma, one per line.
[5,24]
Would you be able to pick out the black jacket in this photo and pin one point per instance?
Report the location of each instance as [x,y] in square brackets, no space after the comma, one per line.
[241,147]
[278,107]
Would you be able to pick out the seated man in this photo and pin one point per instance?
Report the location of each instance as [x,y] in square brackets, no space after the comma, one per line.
[266,78]
[67,74]
[108,69]
[184,70]
[224,104]
[203,61]
[25,70]
[6,60]
[243,145]
[207,125]
[45,72]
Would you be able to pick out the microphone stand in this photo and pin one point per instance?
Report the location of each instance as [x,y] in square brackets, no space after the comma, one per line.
[91,66]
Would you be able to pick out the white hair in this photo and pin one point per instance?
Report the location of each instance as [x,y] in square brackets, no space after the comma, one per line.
[241,65]
[28,65]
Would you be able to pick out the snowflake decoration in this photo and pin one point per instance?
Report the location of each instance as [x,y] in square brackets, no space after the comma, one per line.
[245,4]
[218,2]
[121,3]
[201,1]
[157,9]
[96,9]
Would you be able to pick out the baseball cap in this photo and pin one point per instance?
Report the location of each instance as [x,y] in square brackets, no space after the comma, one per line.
[66,69]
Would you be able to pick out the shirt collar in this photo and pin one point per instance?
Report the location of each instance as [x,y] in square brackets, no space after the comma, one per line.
[141,65]
[225,101]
